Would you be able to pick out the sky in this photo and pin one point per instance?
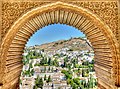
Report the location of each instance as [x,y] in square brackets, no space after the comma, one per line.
[52,33]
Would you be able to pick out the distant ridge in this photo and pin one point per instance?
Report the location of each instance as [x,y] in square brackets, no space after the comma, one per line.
[72,43]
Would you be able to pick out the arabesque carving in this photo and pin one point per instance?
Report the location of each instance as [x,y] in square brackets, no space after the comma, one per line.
[98,19]
[107,11]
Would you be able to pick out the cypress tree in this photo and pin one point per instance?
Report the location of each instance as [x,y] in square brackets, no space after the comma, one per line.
[44,77]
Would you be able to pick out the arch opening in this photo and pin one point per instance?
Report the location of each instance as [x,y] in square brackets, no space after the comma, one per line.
[55,50]
[102,39]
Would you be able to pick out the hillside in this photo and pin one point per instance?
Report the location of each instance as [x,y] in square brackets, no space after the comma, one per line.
[73,43]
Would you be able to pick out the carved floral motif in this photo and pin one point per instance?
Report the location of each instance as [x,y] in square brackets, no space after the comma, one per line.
[12,11]
[107,11]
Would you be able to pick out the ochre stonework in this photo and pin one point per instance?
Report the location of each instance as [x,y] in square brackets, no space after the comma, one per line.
[98,19]
[107,11]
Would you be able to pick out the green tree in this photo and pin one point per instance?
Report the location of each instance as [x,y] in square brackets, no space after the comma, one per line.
[74,86]
[59,88]
[35,87]
[28,56]
[49,79]
[92,61]
[46,61]
[39,82]
[83,73]
[44,69]
[32,72]
[49,61]
[56,63]
[77,81]
[71,82]
[68,66]
[68,81]
[52,70]
[79,71]
[68,74]
[43,61]
[45,77]
[64,71]
[91,83]
[65,62]
[49,69]
[20,81]
[30,65]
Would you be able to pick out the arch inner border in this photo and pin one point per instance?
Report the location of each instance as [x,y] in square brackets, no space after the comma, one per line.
[100,35]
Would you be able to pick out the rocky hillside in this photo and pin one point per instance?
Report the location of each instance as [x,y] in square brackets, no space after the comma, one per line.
[73,44]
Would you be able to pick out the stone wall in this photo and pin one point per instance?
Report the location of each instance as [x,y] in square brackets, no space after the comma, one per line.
[98,19]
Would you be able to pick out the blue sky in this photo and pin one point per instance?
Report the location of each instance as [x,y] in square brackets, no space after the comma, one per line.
[52,33]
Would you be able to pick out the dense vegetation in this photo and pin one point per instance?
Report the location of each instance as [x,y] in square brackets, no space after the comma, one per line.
[71,65]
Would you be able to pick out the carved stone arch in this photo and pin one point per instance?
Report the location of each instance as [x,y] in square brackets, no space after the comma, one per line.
[101,37]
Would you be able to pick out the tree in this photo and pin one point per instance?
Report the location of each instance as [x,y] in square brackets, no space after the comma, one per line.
[71,82]
[69,66]
[43,61]
[46,60]
[64,71]
[84,84]
[68,81]
[91,82]
[30,65]
[39,82]
[92,62]
[26,59]
[36,54]
[65,61]
[49,79]
[32,72]
[45,77]
[79,71]
[95,82]
[52,70]
[20,81]
[49,69]
[74,86]
[44,69]
[83,73]
[59,88]
[35,87]
[68,74]
[56,63]
[77,81]
[49,61]
[28,56]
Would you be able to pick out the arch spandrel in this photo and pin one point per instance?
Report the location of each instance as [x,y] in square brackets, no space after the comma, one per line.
[30,22]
